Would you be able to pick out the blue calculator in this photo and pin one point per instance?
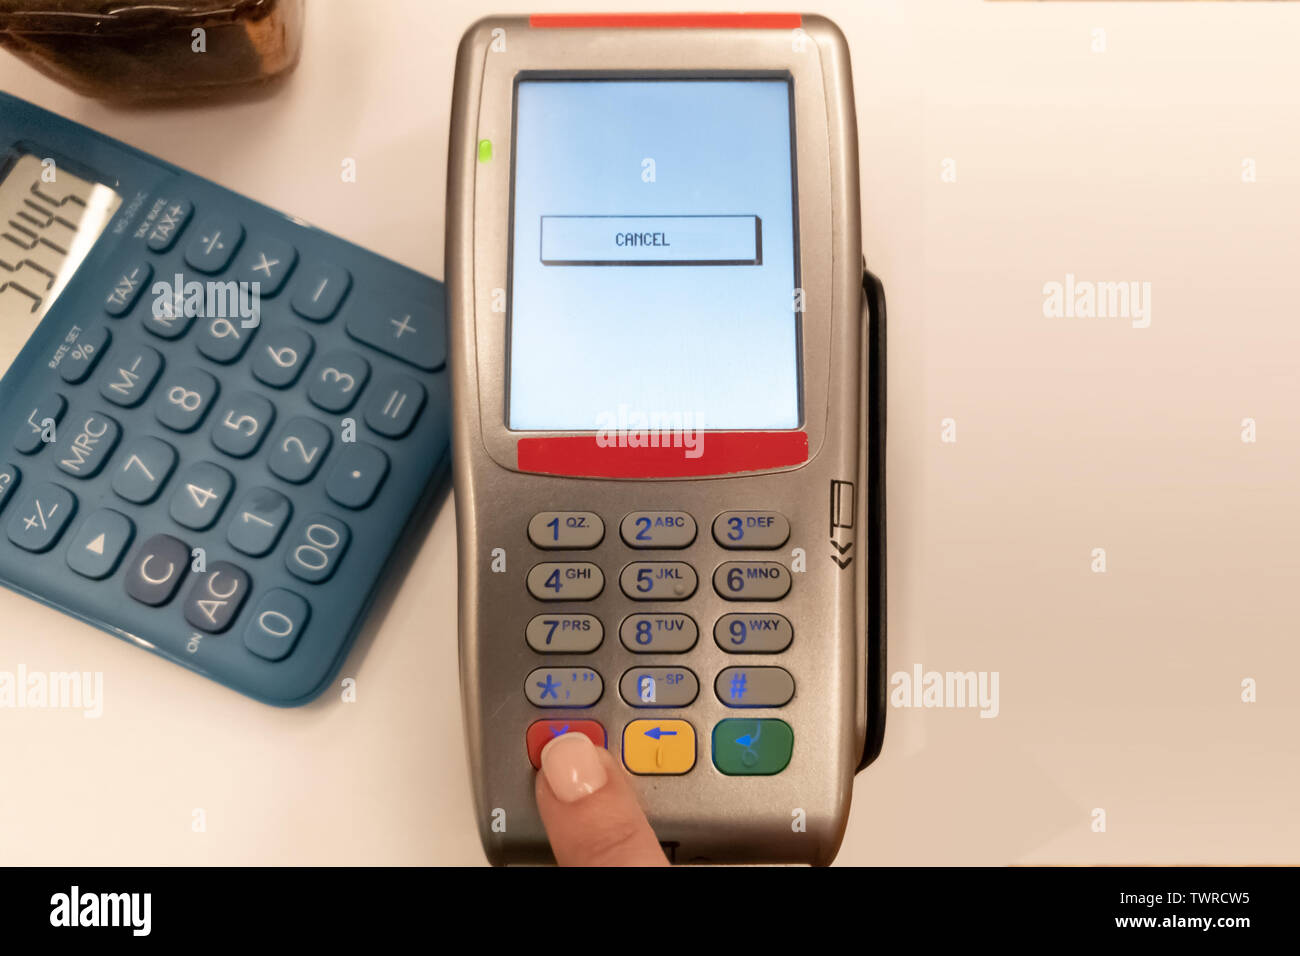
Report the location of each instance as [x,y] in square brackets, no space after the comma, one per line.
[217,421]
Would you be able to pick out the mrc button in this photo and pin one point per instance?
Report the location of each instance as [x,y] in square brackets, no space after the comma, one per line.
[752,581]
[758,530]
[564,581]
[565,530]
[658,529]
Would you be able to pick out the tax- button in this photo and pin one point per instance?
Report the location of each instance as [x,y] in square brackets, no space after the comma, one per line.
[542,732]
[155,572]
[415,332]
[659,746]
[277,622]
[215,597]
[565,530]
[563,687]
[658,529]
[658,580]
[745,747]
[558,581]
[752,581]
[757,530]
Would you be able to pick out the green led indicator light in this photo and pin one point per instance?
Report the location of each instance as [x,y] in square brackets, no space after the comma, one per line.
[485,151]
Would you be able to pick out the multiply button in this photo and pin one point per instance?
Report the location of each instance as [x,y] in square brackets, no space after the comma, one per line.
[415,332]
[566,530]
[658,633]
[658,581]
[754,687]
[542,732]
[267,262]
[563,687]
[746,747]
[564,633]
[752,581]
[753,633]
[659,746]
[751,530]
[659,687]
[658,529]
[41,517]
[557,581]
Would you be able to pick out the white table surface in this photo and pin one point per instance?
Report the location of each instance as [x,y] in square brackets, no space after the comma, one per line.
[1118,691]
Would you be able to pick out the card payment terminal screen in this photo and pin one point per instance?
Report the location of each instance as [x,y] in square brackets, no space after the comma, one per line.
[653,258]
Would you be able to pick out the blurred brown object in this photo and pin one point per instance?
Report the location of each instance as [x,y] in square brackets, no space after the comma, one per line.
[149,52]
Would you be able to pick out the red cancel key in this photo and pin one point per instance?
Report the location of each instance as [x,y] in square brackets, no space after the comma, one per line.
[542,732]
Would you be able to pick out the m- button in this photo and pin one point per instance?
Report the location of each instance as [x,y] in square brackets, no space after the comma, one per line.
[415,332]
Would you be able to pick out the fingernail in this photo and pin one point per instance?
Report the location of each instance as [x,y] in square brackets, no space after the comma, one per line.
[572,767]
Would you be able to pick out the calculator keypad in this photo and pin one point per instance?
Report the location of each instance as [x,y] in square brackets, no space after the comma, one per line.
[741,746]
[210,456]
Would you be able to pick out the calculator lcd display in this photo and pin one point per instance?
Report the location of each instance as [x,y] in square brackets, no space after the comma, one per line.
[49,220]
[654,256]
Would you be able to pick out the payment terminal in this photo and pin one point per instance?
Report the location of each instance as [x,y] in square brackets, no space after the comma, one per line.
[667,362]
[217,420]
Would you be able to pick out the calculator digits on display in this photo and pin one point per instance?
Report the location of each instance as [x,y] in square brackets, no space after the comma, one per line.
[668,365]
[217,419]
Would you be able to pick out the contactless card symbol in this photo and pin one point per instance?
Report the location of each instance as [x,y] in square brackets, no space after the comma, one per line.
[843,508]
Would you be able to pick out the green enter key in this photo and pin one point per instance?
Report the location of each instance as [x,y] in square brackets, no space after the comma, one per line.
[744,746]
